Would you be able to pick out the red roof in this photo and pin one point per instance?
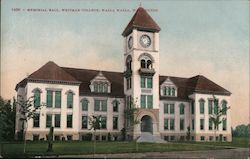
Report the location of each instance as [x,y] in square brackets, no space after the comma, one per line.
[141,21]
[51,71]
[186,86]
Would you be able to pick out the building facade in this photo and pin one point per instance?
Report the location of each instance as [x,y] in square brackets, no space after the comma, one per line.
[166,106]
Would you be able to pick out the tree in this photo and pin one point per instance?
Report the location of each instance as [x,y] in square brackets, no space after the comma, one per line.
[95,124]
[27,112]
[188,134]
[131,115]
[242,131]
[50,139]
[7,119]
[217,117]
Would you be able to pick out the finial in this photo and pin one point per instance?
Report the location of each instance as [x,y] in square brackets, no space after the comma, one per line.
[140,4]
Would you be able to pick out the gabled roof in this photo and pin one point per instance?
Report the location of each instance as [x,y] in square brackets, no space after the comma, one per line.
[51,71]
[141,21]
[186,86]
[201,84]
[86,75]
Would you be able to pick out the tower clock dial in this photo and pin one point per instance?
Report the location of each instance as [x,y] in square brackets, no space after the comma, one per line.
[145,41]
[130,42]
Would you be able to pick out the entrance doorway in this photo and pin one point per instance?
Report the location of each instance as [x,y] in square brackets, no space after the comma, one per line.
[146,124]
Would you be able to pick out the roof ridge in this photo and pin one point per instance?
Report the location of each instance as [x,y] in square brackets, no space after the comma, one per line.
[90,69]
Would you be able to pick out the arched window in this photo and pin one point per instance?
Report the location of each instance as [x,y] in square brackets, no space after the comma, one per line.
[115,106]
[173,91]
[37,98]
[149,64]
[202,103]
[69,99]
[224,107]
[85,104]
[143,63]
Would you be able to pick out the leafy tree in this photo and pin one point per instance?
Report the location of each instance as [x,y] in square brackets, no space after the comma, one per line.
[217,117]
[188,134]
[95,124]
[27,112]
[242,131]
[7,119]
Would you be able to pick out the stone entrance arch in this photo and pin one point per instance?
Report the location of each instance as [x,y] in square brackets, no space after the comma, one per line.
[146,124]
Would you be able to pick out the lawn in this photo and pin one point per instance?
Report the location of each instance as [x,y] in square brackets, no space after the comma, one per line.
[86,147]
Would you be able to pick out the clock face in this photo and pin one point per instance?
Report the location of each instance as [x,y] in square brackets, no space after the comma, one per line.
[145,41]
[130,42]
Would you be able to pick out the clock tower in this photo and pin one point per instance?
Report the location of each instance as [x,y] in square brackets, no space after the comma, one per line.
[141,73]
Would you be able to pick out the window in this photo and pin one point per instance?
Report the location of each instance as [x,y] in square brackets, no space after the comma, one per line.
[166,138]
[70,100]
[193,124]
[58,99]
[181,124]
[164,91]
[171,124]
[129,85]
[129,63]
[216,102]
[192,107]
[210,107]
[103,122]
[224,107]
[224,125]
[146,82]
[100,105]
[171,108]
[85,103]
[143,64]
[149,82]
[166,124]
[166,107]
[201,124]
[105,87]
[115,106]
[115,123]
[202,138]
[173,91]
[48,120]
[57,120]
[69,121]
[37,99]
[36,120]
[210,138]
[95,87]
[201,106]
[169,91]
[84,122]
[143,101]
[210,125]
[69,137]
[182,109]
[147,101]
[172,138]
[35,137]
[128,102]
[49,99]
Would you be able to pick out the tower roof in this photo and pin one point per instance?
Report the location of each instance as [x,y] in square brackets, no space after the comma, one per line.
[142,21]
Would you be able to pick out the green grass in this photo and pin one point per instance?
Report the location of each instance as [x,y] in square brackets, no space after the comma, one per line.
[86,147]
[237,142]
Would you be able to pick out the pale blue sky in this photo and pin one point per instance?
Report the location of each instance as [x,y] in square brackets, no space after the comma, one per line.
[198,37]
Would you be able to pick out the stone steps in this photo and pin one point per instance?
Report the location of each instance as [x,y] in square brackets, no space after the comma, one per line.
[148,137]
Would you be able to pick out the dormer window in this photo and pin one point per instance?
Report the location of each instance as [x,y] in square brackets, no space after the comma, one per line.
[168,88]
[100,84]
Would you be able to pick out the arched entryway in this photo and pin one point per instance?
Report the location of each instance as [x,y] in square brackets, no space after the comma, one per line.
[146,124]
